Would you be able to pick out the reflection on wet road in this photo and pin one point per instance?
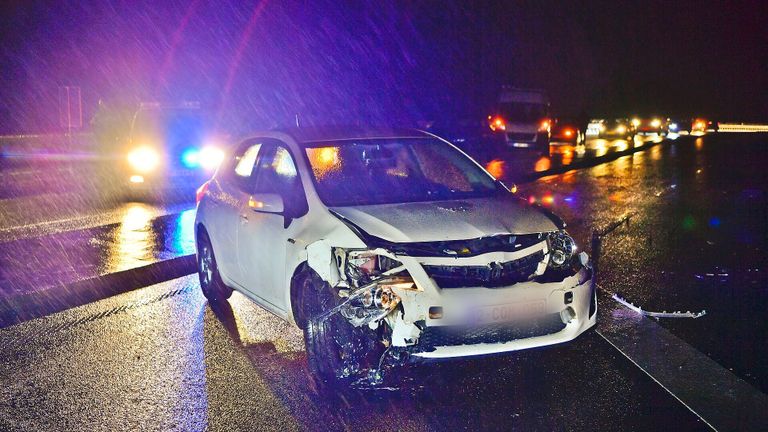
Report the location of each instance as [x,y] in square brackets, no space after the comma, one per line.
[698,240]
[517,165]
[137,234]
[161,358]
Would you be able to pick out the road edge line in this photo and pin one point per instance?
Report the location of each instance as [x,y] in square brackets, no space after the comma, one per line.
[655,380]
[714,394]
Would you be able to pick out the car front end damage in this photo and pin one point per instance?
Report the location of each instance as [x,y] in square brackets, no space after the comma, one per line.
[441,300]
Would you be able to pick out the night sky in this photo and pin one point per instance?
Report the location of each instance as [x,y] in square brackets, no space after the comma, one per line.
[256,64]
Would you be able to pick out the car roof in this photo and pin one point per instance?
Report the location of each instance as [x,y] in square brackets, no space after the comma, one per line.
[335,133]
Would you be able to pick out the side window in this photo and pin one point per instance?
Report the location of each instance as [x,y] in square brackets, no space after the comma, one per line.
[244,163]
[276,173]
[242,168]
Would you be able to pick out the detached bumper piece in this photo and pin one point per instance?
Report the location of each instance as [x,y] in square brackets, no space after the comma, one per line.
[433,337]
[489,276]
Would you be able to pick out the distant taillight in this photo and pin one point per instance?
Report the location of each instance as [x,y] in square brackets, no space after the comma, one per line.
[496,123]
[200,193]
[545,125]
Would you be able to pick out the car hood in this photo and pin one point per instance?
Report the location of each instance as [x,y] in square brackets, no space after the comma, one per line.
[449,220]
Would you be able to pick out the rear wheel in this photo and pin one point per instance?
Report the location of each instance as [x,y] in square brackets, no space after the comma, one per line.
[212,285]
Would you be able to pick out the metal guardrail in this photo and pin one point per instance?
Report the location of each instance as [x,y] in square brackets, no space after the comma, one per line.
[742,127]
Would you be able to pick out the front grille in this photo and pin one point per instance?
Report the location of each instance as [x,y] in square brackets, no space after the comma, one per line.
[466,248]
[521,137]
[490,276]
[433,337]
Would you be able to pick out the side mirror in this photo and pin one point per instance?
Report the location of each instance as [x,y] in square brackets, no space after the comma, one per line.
[266,203]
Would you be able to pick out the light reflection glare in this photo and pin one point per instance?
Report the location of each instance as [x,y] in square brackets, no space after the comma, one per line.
[600,147]
[543,164]
[324,160]
[183,239]
[656,153]
[567,157]
[496,168]
[134,237]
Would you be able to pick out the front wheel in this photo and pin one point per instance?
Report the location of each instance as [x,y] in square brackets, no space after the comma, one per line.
[212,285]
[336,351]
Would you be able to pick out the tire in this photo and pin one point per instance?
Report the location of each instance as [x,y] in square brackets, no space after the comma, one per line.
[323,356]
[324,336]
[211,284]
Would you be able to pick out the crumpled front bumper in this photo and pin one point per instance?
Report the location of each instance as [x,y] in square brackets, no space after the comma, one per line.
[565,309]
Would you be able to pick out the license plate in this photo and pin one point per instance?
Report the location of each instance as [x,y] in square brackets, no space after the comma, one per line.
[509,312]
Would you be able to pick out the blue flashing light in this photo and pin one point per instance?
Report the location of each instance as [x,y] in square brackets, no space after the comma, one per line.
[714,222]
[191,158]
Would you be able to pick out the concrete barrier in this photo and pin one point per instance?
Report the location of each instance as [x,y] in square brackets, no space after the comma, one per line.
[16,309]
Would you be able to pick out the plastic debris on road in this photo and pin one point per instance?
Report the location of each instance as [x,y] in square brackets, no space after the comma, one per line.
[663,314]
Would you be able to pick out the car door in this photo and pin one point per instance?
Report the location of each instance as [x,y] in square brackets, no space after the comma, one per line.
[263,235]
[232,185]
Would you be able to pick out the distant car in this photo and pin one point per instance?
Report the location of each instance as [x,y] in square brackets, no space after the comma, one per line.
[679,126]
[651,125]
[470,133]
[521,118]
[564,131]
[700,126]
[611,129]
[387,245]
[169,147]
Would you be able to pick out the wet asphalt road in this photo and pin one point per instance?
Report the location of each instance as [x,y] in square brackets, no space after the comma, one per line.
[175,363]
[139,361]
[129,236]
[698,240]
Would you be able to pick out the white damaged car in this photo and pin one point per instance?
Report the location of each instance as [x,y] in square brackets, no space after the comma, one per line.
[387,245]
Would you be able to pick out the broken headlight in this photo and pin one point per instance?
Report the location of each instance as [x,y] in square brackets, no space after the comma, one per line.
[363,267]
[561,249]
[374,301]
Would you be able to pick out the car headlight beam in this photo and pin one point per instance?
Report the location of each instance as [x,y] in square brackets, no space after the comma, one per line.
[210,157]
[144,159]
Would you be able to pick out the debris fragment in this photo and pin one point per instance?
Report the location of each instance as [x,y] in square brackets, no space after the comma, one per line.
[664,314]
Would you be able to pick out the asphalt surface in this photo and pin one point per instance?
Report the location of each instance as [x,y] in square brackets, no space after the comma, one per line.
[142,234]
[160,358]
[697,241]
